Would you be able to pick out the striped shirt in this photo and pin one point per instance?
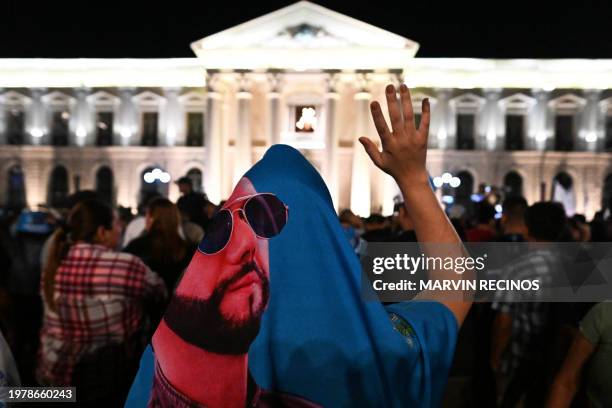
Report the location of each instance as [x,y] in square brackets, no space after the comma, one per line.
[99,296]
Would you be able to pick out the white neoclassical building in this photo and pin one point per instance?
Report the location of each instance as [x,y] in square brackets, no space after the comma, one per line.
[303,75]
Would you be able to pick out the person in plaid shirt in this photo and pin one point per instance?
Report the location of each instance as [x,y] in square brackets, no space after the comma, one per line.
[522,326]
[94,306]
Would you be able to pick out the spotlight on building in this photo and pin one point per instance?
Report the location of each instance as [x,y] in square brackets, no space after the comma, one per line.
[156,175]
[455,182]
[447,199]
[590,137]
[164,177]
[36,132]
[149,178]
[447,177]
[437,182]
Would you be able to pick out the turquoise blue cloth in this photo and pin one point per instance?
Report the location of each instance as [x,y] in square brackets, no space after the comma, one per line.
[318,338]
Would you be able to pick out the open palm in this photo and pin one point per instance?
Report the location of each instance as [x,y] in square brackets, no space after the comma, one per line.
[404,147]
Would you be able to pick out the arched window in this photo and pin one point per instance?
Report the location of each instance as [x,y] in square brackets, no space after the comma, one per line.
[58,187]
[16,198]
[563,192]
[196,179]
[513,184]
[105,184]
[153,181]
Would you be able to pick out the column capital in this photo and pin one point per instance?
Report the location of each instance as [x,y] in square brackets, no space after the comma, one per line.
[331,80]
[363,81]
[244,82]
[212,80]
[275,80]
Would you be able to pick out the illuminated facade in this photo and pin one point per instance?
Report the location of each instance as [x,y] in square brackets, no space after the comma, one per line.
[303,75]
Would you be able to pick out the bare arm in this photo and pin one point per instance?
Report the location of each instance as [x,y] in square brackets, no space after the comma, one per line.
[403,156]
[566,383]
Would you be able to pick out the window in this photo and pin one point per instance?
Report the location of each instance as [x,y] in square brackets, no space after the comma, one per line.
[104,129]
[465,132]
[564,132]
[59,128]
[515,125]
[149,129]
[305,118]
[15,127]
[195,129]
[58,187]
[608,146]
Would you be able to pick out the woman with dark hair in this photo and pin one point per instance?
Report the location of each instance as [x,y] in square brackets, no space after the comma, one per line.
[161,247]
[94,315]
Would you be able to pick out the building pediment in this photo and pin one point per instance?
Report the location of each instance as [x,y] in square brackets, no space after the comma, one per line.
[304,36]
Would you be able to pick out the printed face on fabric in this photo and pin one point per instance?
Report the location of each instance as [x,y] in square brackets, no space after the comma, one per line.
[221,298]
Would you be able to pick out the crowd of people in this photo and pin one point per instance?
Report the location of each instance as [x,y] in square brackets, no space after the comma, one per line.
[84,288]
[535,353]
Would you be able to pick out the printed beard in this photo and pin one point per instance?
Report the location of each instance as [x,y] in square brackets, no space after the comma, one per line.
[200,322]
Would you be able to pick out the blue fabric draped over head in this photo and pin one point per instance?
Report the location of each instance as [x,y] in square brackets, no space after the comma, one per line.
[318,338]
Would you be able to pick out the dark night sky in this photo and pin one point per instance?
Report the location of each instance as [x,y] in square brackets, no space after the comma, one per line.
[497,29]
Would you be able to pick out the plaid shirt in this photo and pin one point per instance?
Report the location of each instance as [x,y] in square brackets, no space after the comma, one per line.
[528,316]
[99,297]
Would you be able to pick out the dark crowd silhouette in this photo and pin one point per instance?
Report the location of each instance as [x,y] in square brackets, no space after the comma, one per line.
[84,286]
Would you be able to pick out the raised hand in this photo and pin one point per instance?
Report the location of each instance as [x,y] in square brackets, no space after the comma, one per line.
[404,147]
[404,150]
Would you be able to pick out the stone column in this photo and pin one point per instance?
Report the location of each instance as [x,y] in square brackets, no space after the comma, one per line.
[540,131]
[491,122]
[442,129]
[360,175]
[37,127]
[213,141]
[243,146]
[127,119]
[330,164]
[591,131]
[273,123]
[81,129]
[172,121]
